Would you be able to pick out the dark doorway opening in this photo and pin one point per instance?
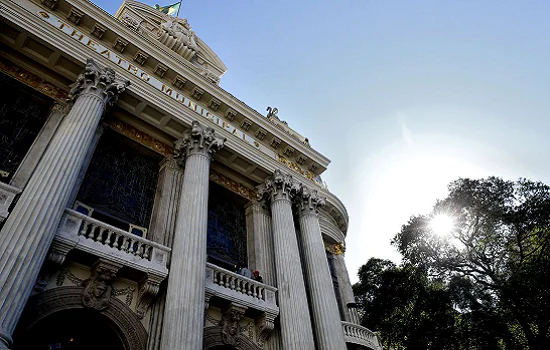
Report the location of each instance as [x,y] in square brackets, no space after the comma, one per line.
[76,329]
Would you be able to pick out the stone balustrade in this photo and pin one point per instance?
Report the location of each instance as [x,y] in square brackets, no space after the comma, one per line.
[78,231]
[358,334]
[7,195]
[239,289]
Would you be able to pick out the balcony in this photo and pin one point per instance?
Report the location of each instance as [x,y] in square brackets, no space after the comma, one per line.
[241,290]
[81,232]
[360,335]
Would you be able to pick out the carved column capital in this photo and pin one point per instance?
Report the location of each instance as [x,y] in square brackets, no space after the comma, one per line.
[170,163]
[199,140]
[279,186]
[309,201]
[101,82]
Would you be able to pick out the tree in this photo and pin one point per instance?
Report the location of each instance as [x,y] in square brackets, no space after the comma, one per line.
[486,285]
[498,254]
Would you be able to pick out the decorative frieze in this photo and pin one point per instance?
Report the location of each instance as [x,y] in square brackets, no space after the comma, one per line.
[98,31]
[140,137]
[232,185]
[140,58]
[32,80]
[292,165]
[75,16]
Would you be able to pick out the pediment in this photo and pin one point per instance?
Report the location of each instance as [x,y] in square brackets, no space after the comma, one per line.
[175,33]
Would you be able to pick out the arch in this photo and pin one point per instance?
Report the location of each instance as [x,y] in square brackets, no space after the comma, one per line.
[123,320]
[213,339]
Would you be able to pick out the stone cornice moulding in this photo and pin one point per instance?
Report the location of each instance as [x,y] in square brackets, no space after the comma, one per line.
[181,67]
[28,21]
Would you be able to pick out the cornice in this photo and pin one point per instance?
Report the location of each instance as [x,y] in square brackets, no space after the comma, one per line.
[156,50]
[26,20]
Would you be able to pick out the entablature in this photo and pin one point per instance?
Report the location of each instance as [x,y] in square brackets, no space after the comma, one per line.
[180,76]
[65,56]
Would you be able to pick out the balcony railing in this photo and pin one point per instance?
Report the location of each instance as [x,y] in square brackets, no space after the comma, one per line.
[103,240]
[245,291]
[358,334]
[7,195]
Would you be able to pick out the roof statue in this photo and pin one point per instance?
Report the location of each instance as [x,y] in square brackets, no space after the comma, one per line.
[176,33]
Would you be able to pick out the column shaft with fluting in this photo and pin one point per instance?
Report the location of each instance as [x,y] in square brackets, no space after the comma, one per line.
[31,226]
[260,245]
[162,228]
[184,308]
[296,331]
[325,313]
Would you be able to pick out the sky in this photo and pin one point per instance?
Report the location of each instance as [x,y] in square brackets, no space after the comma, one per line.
[404,96]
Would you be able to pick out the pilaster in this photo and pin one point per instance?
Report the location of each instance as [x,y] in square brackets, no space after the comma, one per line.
[28,232]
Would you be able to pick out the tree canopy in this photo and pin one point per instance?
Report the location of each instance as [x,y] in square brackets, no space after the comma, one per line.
[484,285]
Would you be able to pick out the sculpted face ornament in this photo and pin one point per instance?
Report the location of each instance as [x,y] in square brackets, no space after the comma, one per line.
[98,289]
[231,330]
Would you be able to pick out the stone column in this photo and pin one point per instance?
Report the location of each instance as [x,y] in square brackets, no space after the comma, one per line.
[296,331]
[162,228]
[344,284]
[184,308]
[326,317]
[29,230]
[260,241]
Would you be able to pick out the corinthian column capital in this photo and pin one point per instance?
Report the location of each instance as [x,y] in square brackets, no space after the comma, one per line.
[199,140]
[278,186]
[308,201]
[102,82]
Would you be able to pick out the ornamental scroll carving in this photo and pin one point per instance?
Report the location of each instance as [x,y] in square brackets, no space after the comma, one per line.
[308,201]
[102,82]
[199,140]
[279,186]
[231,330]
[176,33]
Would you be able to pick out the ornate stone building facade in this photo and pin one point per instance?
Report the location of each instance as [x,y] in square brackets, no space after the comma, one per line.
[136,194]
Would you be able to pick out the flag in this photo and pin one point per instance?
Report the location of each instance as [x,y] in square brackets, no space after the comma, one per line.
[169,9]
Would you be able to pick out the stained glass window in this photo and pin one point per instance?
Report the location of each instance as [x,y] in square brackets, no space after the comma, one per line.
[121,181]
[226,227]
[23,112]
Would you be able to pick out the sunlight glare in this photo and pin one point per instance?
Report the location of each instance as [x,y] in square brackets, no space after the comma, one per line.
[442,224]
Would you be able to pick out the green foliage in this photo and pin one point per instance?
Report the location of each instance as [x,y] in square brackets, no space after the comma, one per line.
[486,286]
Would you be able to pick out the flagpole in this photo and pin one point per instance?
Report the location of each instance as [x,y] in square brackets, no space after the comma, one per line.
[179,7]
